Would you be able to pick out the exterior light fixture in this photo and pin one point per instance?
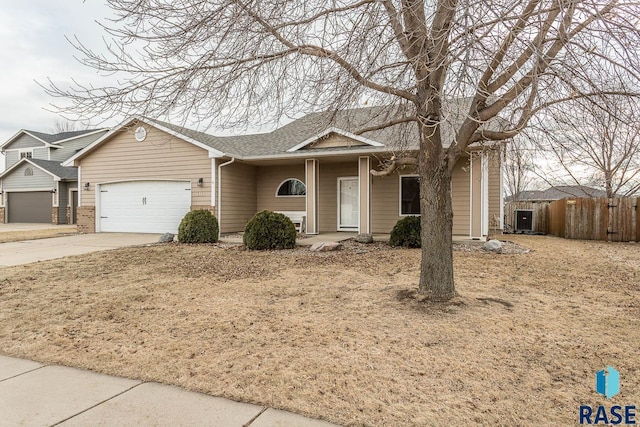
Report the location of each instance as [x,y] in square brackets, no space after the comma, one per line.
[200,182]
[86,185]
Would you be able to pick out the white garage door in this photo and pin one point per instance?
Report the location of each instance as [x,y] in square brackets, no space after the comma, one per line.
[144,206]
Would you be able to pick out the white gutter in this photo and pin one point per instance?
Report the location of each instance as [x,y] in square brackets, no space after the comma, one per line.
[233,159]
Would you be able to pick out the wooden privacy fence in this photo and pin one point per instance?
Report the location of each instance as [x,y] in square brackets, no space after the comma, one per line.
[540,220]
[614,220]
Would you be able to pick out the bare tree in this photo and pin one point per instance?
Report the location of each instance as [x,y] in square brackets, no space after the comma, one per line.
[248,60]
[598,143]
[60,126]
[518,167]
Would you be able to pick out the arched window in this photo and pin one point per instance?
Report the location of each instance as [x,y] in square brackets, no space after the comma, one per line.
[291,187]
[28,172]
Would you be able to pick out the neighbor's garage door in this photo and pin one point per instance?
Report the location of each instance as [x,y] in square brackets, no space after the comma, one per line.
[144,206]
[33,206]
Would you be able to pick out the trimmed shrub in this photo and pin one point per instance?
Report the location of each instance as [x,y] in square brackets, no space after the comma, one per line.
[406,233]
[269,230]
[199,226]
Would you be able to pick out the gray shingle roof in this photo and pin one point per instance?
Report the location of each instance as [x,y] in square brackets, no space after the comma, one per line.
[53,138]
[400,136]
[67,173]
[561,192]
[302,129]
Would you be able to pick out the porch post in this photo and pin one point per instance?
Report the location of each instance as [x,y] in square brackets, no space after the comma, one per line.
[364,181]
[311,181]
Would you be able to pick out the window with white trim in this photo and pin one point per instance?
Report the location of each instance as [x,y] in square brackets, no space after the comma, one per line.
[409,195]
[291,187]
[26,154]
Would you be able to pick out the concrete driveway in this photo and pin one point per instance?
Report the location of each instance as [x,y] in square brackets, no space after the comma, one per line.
[28,251]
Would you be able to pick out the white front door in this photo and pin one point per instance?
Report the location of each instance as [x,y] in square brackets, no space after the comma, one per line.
[348,203]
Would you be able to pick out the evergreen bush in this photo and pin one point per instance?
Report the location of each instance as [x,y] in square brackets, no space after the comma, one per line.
[406,233]
[269,230]
[199,226]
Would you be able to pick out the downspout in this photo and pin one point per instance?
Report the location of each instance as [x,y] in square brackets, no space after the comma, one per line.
[233,159]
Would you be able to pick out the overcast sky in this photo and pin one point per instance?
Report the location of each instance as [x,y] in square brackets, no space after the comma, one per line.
[32,37]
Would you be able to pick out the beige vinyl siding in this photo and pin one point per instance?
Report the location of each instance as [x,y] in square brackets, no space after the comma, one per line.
[70,148]
[17,180]
[328,188]
[159,157]
[268,180]
[494,190]
[24,141]
[335,140]
[239,196]
[460,197]
[385,200]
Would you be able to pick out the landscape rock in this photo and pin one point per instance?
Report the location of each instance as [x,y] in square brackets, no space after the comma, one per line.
[166,238]
[493,245]
[325,247]
[364,238]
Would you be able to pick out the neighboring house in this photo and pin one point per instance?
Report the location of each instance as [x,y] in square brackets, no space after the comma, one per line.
[558,192]
[530,213]
[34,186]
[144,175]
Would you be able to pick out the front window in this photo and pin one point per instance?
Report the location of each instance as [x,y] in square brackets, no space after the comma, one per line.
[26,154]
[409,195]
[291,187]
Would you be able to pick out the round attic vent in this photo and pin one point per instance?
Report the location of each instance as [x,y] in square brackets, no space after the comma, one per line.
[140,134]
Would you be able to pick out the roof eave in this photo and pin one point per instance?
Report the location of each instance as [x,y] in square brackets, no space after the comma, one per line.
[25,160]
[71,161]
[339,131]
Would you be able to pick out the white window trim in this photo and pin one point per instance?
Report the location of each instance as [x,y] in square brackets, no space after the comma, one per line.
[340,227]
[21,151]
[292,195]
[400,193]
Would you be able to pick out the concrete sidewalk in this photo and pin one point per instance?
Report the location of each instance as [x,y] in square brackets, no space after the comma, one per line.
[32,394]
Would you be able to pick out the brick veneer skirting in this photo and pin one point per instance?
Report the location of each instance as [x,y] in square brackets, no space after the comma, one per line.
[86,218]
[1,215]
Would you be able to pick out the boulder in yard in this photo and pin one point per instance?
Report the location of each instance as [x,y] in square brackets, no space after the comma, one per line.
[364,238]
[493,245]
[166,238]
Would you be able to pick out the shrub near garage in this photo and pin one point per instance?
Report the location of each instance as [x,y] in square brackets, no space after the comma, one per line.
[198,226]
[269,230]
[406,233]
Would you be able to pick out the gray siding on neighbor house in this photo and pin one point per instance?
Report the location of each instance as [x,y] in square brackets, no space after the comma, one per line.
[63,202]
[11,157]
[41,153]
[69,148]
[24,141]
[17,180]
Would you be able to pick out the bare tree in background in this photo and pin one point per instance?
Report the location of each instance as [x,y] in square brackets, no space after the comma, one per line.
[518,167]
[61,125]
[598,143]
[249,60]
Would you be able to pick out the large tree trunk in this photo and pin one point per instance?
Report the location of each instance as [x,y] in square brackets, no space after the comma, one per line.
[436,272]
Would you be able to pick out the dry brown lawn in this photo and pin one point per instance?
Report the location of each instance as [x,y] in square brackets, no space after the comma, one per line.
[340,336]
[45,233]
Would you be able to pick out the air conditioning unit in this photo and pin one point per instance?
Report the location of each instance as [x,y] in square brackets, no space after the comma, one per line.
[523,220]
